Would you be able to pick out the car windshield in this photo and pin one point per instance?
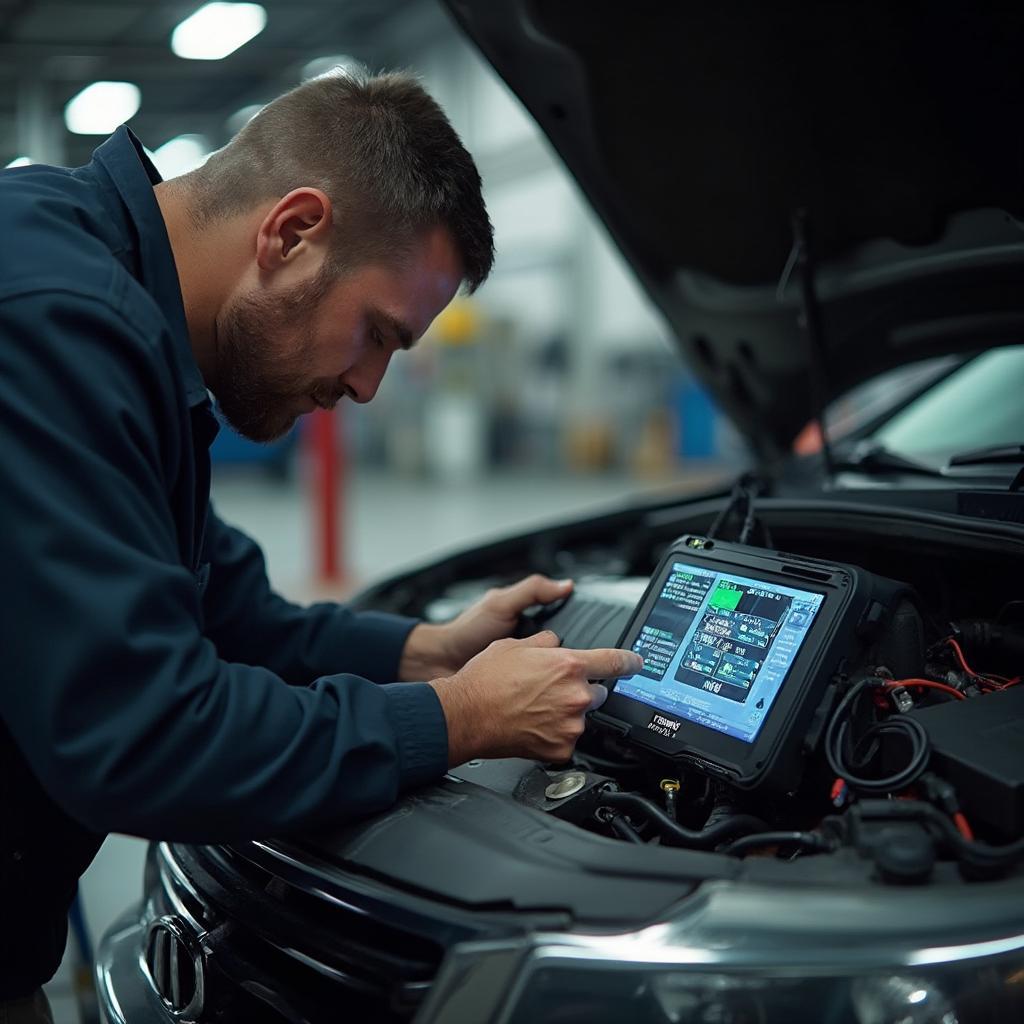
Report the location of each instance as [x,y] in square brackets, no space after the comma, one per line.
[978,405]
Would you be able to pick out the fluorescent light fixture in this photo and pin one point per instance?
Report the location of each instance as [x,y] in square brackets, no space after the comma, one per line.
[217,29]
[180,155]
[240,118]
[342,64]
[99,108]
[19,161]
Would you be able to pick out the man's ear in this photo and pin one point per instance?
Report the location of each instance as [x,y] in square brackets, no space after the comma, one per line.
[297,227]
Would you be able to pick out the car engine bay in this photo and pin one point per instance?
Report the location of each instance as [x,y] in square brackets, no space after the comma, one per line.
[911,761]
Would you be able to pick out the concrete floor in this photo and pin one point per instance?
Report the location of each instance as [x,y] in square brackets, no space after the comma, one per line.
[390,523]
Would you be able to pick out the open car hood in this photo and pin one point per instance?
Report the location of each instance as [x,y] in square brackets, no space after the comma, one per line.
[698,131]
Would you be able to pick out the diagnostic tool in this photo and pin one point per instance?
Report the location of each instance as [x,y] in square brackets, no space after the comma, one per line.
[740,646]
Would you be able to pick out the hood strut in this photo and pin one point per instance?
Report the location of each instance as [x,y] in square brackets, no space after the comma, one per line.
[801,259]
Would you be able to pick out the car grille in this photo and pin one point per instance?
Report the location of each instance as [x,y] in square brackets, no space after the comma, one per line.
[276,951]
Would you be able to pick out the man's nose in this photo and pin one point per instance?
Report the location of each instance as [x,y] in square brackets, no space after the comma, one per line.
[364,378]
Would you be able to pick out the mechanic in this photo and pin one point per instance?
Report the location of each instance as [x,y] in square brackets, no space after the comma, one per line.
[153,682]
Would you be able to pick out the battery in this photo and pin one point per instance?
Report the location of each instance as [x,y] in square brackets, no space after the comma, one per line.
[978,747]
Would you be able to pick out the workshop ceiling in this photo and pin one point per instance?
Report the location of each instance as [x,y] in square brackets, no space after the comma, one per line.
[50,50]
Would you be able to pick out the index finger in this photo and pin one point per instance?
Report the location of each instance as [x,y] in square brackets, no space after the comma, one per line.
[610,663]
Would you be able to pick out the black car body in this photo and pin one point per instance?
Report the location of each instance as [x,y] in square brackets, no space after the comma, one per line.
[815,196]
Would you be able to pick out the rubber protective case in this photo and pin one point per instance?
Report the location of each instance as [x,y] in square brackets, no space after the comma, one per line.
[854,604]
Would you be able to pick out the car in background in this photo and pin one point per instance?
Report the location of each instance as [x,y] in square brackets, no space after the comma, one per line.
[819,198]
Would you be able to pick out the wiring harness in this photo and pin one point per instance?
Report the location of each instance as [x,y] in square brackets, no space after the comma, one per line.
[850,756]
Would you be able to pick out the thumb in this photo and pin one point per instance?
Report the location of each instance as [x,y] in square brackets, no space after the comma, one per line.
[535,589]
[548,590]
[545,638]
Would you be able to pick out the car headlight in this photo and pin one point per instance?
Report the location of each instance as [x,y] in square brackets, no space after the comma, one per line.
[729,962]
[896,998]
[587,995]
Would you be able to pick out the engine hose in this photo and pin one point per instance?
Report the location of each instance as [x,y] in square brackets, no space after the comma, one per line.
[999,645]
[808,840]
[678,835]
[974,853]
[623,829]
[721,810]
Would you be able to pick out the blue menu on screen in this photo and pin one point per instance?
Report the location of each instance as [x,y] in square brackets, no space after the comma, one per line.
[717,648]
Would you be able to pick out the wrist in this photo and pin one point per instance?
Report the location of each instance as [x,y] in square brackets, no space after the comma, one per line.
[425,655]
[456,707]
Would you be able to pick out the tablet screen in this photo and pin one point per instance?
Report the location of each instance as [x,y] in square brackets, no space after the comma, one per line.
[717,648]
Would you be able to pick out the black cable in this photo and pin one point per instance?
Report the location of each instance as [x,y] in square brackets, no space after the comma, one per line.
[839,755]
[808,840]
[865,750]
[839,715]
[748,517]
[740,495]
[744,494]
[671,831]
[719,521]
[910,729]
[623,829]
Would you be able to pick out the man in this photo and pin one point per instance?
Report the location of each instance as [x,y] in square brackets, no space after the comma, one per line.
[153,683]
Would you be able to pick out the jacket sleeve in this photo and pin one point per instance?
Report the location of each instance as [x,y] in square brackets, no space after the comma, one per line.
[124,710]
[248,622]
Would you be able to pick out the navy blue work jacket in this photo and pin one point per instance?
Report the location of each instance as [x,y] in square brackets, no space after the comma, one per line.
[152,683]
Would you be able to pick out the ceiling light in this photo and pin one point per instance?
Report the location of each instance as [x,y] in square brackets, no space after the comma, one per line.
[99,108]
[19,161]
[180,155]
[339,65]
[217,29]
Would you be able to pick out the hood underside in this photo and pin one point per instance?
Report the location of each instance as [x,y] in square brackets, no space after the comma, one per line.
[698,131]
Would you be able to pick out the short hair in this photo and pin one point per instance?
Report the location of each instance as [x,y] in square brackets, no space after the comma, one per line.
[378,146]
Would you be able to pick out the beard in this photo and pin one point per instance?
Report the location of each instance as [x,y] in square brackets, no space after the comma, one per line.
[261,374]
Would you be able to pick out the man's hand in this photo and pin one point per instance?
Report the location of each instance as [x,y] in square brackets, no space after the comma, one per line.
[526,698]
[433,651]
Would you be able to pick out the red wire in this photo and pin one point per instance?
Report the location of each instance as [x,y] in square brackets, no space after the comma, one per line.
[999,682]
[963,827]
[928,683]
[989,685]
[960,656]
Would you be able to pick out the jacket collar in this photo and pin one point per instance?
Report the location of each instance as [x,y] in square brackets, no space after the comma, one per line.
[133,176]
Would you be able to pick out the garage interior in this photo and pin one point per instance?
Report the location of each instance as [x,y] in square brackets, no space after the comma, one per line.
[765,414]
